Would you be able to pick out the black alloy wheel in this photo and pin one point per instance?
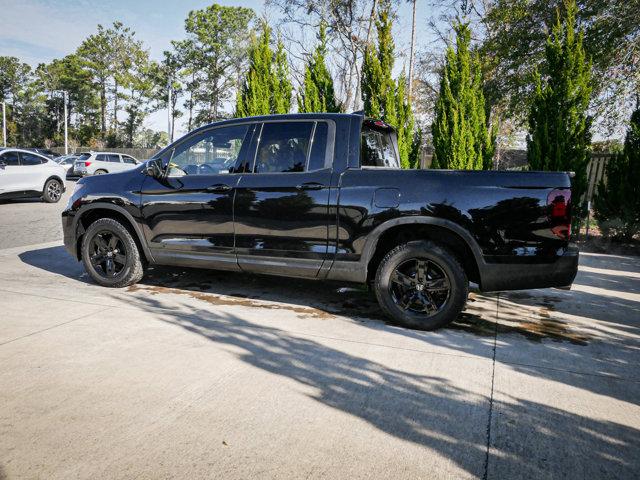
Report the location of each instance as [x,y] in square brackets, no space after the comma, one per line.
[111,255]
[420,286]
[108,254]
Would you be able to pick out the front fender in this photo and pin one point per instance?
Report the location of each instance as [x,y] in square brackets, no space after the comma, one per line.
[74,229]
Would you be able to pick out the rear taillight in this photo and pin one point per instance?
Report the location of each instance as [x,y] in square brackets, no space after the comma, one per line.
[86,164]
[559,204]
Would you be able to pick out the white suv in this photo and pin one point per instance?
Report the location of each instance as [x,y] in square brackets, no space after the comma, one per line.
[28,174]
[97,163]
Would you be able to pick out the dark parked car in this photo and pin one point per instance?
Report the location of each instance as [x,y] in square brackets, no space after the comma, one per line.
[322,196]
[45,152]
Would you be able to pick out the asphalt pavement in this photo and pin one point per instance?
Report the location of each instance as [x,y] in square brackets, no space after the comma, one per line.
[199,374]
[31,221]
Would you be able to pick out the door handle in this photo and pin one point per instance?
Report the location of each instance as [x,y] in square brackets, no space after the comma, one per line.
[219,188]
[310,186]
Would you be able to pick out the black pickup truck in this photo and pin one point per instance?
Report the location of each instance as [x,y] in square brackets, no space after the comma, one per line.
[322,196]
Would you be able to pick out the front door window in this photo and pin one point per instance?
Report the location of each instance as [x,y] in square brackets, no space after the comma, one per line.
[212,152]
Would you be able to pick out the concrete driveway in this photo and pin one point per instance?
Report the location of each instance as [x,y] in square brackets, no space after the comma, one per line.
[196,374]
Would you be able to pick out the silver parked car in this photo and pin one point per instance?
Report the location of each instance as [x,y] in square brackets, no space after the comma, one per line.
[98,163]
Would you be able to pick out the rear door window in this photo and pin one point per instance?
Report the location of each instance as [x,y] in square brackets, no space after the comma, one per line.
[30,159]
[319,154]
[283,147]
[113,158]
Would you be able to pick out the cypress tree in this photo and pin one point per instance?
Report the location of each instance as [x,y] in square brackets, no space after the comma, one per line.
[461,137]
[377,84]
[281,87]
[383,97]
[254,95]
[559,127]
[318,94]
[266,88]
[405,124]
[617,204]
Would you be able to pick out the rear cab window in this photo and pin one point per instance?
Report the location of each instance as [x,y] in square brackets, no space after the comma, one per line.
[379,145]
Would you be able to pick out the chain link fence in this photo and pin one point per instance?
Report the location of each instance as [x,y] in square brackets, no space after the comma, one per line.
[138,153]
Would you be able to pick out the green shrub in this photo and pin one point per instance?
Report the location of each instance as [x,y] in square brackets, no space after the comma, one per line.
[617,204]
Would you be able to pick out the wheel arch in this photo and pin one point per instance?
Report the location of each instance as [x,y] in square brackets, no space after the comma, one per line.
[90,213]
[53,177]
[445,232]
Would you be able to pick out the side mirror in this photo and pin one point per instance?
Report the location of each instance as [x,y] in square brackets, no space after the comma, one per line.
[153,168]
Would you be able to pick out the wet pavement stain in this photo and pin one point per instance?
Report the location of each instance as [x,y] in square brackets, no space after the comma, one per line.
[534,330]
[535,325]
[215,299]
[478,319]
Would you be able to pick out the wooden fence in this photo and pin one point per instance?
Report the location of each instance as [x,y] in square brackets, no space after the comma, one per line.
[596,171]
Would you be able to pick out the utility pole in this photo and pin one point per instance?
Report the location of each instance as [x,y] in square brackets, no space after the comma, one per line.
[169,111]
[411,54]
[4,124]
[66,136]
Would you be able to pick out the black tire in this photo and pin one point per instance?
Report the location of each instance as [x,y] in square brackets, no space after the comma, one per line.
[426,304]
[111,263]
[100,171]
[52,192]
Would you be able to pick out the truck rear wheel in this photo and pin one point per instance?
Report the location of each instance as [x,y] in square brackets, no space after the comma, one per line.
[110,254]
[421,285]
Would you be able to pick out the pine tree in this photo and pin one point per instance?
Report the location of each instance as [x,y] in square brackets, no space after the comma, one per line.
[267,87]
[559,127]
[617,204]
[383,97]
[318,94]
[461,137]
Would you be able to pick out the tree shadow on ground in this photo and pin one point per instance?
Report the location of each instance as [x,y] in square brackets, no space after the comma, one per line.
[431,410]
[541,332]
[434,410]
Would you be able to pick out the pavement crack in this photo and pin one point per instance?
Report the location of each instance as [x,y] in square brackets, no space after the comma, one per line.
[493,376]
[51,327]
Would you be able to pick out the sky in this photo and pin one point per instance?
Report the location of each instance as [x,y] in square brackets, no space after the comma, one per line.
[38,31]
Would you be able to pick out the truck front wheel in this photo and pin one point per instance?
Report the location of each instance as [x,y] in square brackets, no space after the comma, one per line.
[110,254]
[421,285]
